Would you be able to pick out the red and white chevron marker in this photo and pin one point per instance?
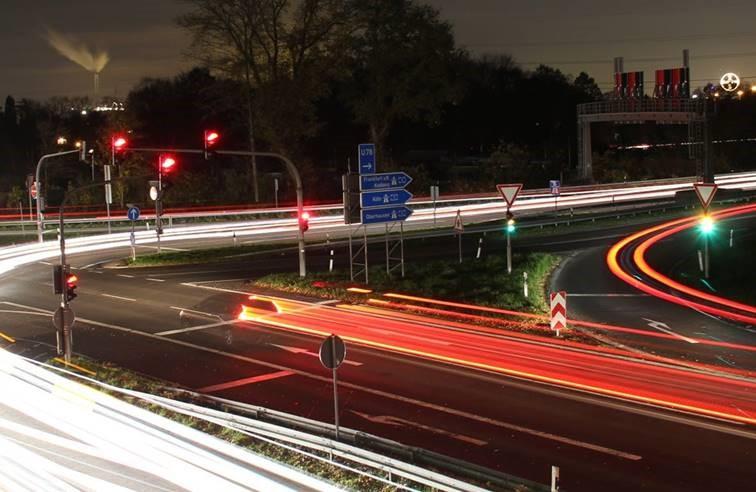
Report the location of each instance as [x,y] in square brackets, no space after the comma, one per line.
[559,311]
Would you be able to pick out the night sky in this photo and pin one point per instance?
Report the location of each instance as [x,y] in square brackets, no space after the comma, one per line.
[580,35]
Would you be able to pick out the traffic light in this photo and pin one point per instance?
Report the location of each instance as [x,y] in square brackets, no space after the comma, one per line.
[211,138]
[167,164]
[511,223]
[119,144]
[706,224]
[304,221]
[71,284]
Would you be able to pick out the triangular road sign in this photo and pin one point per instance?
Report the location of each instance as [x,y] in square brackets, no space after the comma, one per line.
[705,192]
[458,225]
[509,192]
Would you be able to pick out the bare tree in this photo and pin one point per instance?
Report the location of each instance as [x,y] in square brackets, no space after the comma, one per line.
[281,50]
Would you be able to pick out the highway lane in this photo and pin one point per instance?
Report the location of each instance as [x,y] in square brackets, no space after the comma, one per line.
[532,407]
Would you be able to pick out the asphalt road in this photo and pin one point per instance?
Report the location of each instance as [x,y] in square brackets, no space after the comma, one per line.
[506,423]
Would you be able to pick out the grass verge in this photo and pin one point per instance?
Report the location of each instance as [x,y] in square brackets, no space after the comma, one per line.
[199,256]
[483,282]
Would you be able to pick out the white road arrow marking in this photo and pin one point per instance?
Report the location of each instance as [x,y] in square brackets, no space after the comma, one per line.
[298,350]
[399,422]
[663,327]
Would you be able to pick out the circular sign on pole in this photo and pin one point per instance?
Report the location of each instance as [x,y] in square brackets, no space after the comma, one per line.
[730,82]
[332,352]
[64,318]
[133,213]
[33,190]
[153,192]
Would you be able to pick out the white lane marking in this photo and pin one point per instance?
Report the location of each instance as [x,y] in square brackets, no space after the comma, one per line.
[297,350]
[125,276]
[155,279]
[399,422]
[618,403]
[162,247]
[244,381]
[177,308]
[751,330]
[45,263]
[607,295]
[663,327]
[119,297]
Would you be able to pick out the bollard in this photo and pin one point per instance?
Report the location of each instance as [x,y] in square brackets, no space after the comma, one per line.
[234,235]
[480,248]
[554,478]
[525,283]
[147,225]
[700,261]
[731,232]
[330,262]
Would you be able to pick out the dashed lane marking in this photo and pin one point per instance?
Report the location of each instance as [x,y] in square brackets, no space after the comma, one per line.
[155,279]
[119,297]
[125,276]
[245,381]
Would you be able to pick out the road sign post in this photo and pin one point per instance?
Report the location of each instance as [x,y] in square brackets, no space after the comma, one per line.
[554,185]
[332,354]
[434,198]
[705,193]
[459,228]
[133,216]
[509,193]
[558,311]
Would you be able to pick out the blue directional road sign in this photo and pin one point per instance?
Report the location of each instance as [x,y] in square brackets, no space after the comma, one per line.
[366,158]
[384,198]
[133,213]
[384,181]
[387,214]
[554,185]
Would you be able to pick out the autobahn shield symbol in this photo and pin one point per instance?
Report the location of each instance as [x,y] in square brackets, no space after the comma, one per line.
[558,311]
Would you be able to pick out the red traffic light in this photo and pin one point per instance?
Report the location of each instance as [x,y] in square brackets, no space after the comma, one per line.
[211,137]
[119,143]
[71,280]
[304,221]
[167,163]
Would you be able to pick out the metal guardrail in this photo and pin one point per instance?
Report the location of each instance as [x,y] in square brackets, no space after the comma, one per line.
[388,459]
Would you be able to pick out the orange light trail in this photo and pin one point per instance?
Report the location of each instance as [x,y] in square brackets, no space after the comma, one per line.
[685,390]
[616,269]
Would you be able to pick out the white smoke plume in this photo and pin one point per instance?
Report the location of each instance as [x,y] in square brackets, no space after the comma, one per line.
[77,52]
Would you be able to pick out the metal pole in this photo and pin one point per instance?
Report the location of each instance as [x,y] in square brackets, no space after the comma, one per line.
[65,332]
[731,233]
[365,244]
[459,237]
[554,479]
[509,252]
[275,189]
[706,257]
[386,241]
[401,244]
[21,214]
[133,240]
[335,388]
[525,284]
[93,178]
[38,185]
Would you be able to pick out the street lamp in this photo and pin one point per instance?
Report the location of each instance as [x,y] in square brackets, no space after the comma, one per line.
[62,140]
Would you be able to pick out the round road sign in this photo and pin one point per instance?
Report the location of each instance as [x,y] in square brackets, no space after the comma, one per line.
[729,82]
[63,318]
[332,352]
[133,213]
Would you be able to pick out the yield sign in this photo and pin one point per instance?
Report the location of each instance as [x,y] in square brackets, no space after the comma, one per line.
[458,225]
[509,192]
[705,192]
[558,311]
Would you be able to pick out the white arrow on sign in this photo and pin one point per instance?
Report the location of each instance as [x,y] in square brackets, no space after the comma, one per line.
[705,192]
[509,192]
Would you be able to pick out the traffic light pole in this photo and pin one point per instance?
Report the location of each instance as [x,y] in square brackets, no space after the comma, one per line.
[293,171]
[40,197]
[509,252]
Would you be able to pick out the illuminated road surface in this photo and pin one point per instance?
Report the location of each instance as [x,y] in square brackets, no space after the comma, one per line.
[730,398]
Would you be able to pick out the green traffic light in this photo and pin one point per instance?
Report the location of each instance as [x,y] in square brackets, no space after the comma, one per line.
[706,224]
[510,225]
